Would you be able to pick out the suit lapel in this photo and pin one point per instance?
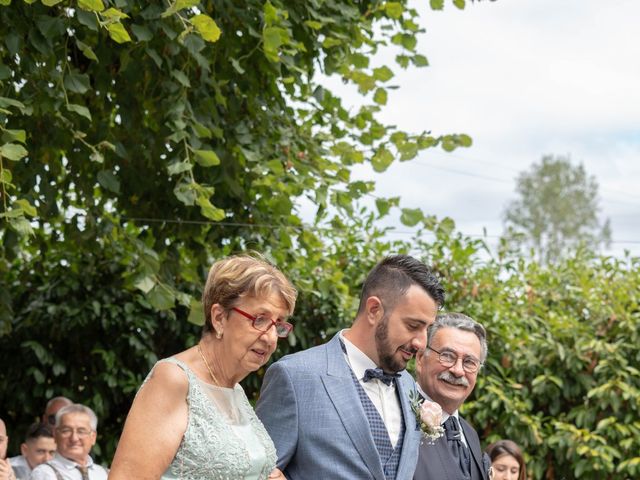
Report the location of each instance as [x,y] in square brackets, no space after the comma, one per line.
[343,395]
[411,436]
[474,445]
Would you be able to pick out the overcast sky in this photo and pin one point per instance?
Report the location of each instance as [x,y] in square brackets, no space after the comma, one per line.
[524,78]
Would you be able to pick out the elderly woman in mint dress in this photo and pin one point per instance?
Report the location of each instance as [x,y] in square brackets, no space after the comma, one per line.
[191,419]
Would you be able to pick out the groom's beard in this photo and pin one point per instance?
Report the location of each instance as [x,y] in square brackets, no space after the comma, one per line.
[390,360]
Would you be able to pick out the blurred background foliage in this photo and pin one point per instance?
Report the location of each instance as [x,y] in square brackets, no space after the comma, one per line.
[140,142]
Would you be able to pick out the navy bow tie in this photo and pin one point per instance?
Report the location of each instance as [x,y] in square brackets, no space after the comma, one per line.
[386,378]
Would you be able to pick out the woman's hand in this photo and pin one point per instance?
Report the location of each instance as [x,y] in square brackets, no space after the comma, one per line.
[277,474]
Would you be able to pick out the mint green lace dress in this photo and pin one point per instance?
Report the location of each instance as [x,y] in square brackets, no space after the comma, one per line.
[224,438]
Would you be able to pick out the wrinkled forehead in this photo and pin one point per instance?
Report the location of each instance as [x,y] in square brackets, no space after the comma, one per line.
[75,419]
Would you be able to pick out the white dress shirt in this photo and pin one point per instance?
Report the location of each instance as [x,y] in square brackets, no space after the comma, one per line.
[21,467]
[382,396]
[68,470]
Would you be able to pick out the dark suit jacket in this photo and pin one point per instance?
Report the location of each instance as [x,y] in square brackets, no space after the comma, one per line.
[435,462]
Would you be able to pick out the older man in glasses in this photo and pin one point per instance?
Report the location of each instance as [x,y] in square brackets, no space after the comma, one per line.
[446,374]
[75,434]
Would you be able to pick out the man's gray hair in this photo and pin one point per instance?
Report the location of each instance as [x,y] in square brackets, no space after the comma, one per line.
[57,399]
[460,322]
[78,408]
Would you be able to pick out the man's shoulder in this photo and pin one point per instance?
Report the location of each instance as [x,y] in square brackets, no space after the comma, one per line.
[43,471]
[304,358]
[18,461]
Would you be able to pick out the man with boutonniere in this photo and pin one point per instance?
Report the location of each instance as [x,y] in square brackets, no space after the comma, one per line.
[340,411]
[446,372]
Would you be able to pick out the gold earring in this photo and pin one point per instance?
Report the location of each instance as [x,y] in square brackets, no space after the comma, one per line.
[218,335]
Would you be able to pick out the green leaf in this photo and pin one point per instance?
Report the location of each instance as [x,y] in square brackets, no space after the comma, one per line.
[5,2]
[380,97]
[383,74]
[236,65]
[313,24]
[146,283]
[91,5]
[179,167]
[14,135]
[207,158]
[201,130]
[80,110]
[181,77]
[5,176]
[206,27]
[411,216]
[142,33]
[196,312]
[436,4]
[10,102]
[50,3]
[270,13]
[21,225]
[161,298]
[272,40]
[86,50]
[114,14]
[77,82]
[13,151]
[465,140]
[118,33]
[26,207]
[459,3]
[208,210]
[420,60]
[381,160]
[383,206]
[108,180]
[394,9]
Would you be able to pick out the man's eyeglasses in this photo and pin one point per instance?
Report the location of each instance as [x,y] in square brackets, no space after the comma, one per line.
[67,432]
[264,323]
[449,359]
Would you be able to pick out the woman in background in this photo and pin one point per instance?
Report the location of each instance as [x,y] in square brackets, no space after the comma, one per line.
[191,419]
[507,461]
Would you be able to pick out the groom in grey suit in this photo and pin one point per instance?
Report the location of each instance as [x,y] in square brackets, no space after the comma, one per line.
[340,411]
[446,372]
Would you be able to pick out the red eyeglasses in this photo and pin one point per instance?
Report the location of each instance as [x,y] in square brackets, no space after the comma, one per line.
[264,323]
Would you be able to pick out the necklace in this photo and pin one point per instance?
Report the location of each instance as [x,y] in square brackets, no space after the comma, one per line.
[213,377]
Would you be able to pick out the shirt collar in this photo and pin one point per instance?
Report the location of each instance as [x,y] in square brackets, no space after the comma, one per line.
[70,464]
[357,359]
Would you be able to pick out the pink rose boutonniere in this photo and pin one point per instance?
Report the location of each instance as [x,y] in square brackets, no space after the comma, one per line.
[429,417]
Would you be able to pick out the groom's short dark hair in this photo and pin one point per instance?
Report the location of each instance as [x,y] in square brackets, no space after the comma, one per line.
[392,277]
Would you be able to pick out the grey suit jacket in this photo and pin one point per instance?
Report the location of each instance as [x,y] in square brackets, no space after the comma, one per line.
[435,462]
[311,409]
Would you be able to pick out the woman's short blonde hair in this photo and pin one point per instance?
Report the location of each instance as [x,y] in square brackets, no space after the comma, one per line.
[241,276]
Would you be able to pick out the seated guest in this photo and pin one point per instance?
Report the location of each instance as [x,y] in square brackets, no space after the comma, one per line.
[507,461]
[53,405]
[446,372]
[6,472]
[38,447]
[191,405]
[75,435]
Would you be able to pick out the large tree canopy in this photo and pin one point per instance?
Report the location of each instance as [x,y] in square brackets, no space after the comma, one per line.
[556,210]
[182,128]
